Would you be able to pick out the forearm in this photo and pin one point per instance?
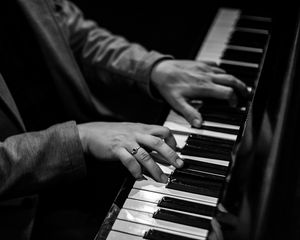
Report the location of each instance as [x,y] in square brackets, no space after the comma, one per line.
[103,54]
[33,160]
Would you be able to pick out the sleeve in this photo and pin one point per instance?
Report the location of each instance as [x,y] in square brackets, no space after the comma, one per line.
[102,54]
[33,160]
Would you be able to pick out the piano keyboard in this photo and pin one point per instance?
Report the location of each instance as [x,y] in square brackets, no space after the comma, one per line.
[183,208]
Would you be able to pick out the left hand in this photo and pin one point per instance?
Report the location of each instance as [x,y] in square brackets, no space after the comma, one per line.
[179,81]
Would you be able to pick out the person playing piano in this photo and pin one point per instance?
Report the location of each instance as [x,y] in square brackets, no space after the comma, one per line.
[56,67]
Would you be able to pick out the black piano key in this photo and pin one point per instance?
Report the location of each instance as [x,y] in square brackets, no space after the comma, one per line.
[210,141]
[222,111]
[217,117]
[154,234]
[210,106]
[247,22]
[194,151]
[182,218]
[248,39]
[248,73]
[200,183]
[208,147]
[213,140]
[220,129]
[196,173]
[212,103]
[203,190]
[225,112]
[195,178]
[242,56]
[192,165]
[196,142]
[186,206]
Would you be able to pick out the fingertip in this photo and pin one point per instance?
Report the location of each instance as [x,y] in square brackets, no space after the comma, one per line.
[164,178]
[197,122]
[179,162]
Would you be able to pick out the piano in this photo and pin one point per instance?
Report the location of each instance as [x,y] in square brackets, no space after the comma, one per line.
[241,174]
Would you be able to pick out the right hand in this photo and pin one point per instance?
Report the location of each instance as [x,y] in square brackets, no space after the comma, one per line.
[111,141]
[179,81]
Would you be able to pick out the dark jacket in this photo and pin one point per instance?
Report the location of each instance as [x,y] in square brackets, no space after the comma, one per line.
[84,62]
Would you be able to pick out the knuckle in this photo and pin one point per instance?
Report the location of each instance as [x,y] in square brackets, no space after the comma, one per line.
[230,93]
[166,131]
[145,157]
[157,142]
[172,155]
[234,81]
[230,79]
[208,78]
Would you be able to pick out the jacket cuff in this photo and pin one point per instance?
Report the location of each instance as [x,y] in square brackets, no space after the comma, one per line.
[144,72]
[76,167]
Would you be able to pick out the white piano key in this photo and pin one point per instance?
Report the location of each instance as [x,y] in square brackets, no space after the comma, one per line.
[206,160]
[133,204]
[114,235]
[147,207]
[221,30]
[220,125]
[175,127]
[152,186]
[147,219]
[180,139]
[130,227]
[240,63]
[137,229]
[253,30]
[215,46]
[167,169]
[170,169]
[247,49]
[156,197]
[257,18]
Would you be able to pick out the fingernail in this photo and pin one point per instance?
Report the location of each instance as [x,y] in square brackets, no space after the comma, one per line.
[179,162]
[164,178]
[196,123]
[141,177]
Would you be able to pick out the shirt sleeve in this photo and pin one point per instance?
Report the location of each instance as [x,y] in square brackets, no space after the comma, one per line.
[103,54]
[33,160]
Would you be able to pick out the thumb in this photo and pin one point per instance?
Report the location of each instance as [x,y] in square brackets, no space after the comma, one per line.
[191,114]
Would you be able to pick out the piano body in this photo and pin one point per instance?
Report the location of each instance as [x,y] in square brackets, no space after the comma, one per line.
[242,171]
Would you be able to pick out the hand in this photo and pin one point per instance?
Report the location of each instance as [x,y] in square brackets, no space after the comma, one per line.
[179,81]
[116,141]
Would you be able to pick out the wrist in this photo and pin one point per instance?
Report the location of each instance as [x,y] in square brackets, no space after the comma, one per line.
[157,77]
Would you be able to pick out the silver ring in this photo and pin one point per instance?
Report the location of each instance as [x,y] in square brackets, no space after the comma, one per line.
[135,150]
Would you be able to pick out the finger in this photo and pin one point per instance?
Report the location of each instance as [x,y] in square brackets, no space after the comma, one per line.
[218,70]
[210,63]
[192,115]
[144,158]
[158,144]
[130,163]
[229,80]
[164,133]
[223,92]
[159,158]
